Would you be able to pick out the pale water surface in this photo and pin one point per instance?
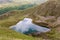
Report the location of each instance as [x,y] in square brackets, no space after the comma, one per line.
[26,27]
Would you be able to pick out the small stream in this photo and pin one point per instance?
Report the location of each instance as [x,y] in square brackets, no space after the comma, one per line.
[27,27]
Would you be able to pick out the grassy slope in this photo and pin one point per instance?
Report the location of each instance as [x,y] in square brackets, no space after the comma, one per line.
[19,15]
[12,20]
[6,22]
[6,33]
[15,7]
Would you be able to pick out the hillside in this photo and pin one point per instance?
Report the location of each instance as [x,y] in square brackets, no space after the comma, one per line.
[50,8]
[47,12]
[6,33]
[15,7]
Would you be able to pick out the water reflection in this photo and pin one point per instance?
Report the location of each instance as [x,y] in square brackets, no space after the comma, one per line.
[27,27]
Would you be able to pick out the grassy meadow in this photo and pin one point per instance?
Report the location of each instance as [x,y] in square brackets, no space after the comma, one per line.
[7,34]
[11,15]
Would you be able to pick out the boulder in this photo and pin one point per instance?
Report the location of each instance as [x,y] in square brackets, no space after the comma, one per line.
[45,21]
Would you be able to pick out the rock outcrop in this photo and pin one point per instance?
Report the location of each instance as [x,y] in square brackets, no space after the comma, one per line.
[48,13]
[50,8]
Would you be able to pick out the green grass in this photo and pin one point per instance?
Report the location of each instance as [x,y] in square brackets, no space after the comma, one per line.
[7,34]
[54,34]
[21,7]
